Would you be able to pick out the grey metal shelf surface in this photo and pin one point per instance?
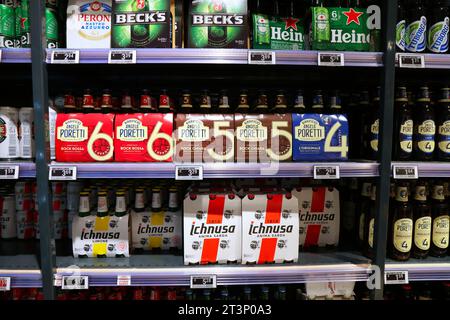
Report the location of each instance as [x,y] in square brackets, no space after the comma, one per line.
[429,269]
[224,56]
[168,270]
[218,170]
[27,169]
[429,169]
[16,55]
[23,270]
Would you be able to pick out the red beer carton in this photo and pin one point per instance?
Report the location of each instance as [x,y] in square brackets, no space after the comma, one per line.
[84,137]
[142,137]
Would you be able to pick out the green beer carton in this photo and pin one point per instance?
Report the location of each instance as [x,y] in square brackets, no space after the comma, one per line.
[346,29]
[7,26]
[217,24]
[25,35]
[143,24]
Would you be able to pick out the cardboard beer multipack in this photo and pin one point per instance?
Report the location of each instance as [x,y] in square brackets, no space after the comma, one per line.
[89,24]
[84,137]
[156,230]
[320,137]
[143,137]
[212,228]
[269,228]
[319,213]
[108,236]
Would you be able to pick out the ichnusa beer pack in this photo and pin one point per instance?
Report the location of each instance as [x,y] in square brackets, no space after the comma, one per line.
[269,228]
[212,228]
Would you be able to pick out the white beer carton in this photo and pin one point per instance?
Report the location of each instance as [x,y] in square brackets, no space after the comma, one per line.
[92,236]
[151,230]
[212,228]
[270,228]
[319,212]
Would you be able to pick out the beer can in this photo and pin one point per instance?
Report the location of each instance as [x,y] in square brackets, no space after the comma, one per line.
[7,26]
[9,139]
[26,138]
[73,195]
[58,188]
[25,224]
[7,217]
[51,28]
[25,38]
[59,203]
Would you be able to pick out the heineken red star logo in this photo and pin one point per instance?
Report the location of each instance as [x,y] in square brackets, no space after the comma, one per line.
[353,16]
[22,22]
[290,23]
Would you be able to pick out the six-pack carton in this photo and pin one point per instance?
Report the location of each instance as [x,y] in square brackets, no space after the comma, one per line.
[269,228]
[212,228]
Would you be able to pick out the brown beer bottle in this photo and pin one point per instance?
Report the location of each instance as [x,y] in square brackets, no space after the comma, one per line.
[127,103]
[370,224]
[317,106]
[280,103]
[363,209]
[146,102]
[335,106]
[402,226]
[243,106]
[205,103]
[106,102]
[224,105]
[164,102]
[88,102]
[69,102]
[422,222]
[262,104]
[440,223]
[186,106]
[299,103]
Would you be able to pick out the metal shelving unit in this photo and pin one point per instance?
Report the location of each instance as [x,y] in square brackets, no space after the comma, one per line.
[430,269]
[23,270]
[15,56]
[429,169]
[434,61]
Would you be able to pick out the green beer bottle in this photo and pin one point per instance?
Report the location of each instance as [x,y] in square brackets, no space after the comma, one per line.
[321,28]
[140,33]
[51,28]
[217,35]
[7,26]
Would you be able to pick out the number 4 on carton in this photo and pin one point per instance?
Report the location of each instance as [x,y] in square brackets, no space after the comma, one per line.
[343,148]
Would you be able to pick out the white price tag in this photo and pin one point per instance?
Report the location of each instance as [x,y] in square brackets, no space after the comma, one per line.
[123,281]
[204,282]
[411,60]
[9,172]
[326,172]
[122,57]
[65,57]
[261,57]
[5,283]
[396,277]
[62,173]
[327,59]
[405,172]
[189,172]
[75,282]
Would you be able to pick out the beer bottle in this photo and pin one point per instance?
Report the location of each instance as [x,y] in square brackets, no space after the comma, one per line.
[403,141]
[139,200]
[424,127]
[363,210]
[88,102]
[422,222]
[106,104]
[299,103]
[146,102]
[247,294]
[373,127]
[69,102]
[217,34]
[173,205]
[440,224]
[224,105]
[120,211]
[84,210]
[354,117]
[438,26]
[335,103]
[400,38]
[392,206]
[443,125]
[164,102]
[261,105]
[264,293]
[102,211]
[281,293]
[416,26]
[261,27]
[370,224]
[140,33]
[205,103]
[224,294]
[402,227]
[243,106]
[186,106]
[280,103]
[317,105]
[206,295]
[127,102]
[189,294]
[156,200]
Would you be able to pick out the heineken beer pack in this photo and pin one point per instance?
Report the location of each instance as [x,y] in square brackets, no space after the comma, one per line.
[217,24]
[348,29]
[143,24]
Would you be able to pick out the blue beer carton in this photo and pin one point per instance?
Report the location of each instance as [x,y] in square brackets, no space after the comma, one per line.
[320,137]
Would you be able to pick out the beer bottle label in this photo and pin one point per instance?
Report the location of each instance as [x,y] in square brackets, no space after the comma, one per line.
[400,35]
[421,193]
[374,131]
[156,200]
[321,28]
[371,232]
[401,194]
[262,29]
[438,36]
[362,221]
[121,205]
[422,233]
[173,200]
[444,137]
[416,35]
[102,204]
[139,202]
[425,140]
[440,231]
[406,136]
[403,234]
[438,193]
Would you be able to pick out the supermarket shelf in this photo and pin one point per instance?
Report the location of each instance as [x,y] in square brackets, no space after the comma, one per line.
[218,170]
[225,56]
[429,169]
[23,270]
[27,169]
[16,55]
[436,61]
[168,270]
[430,269]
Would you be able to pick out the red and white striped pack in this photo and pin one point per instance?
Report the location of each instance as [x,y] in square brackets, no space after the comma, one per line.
[319,212]
[212,228]
[269,228]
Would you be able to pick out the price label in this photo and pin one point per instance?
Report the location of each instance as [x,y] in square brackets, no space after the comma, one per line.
[204,282]
[405,172]
[5,283]
[327,59]
[189,173]
[62,173]
[122,57]
[261,57]
[9,172]
[396,277]
[123,281]
[326,172]
[411,60]
[75,282]
[65,57]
